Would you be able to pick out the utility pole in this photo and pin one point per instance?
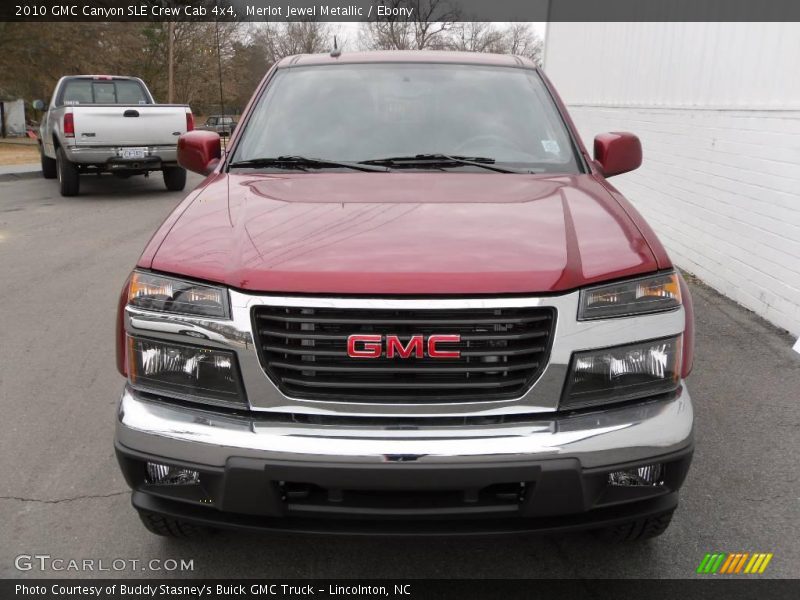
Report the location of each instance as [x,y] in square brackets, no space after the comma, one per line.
[171,60]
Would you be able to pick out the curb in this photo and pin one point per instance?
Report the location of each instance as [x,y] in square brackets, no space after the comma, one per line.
[26,174]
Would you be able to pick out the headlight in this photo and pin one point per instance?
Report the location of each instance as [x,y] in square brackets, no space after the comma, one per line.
[622,373]
[188,372]
[167,294]
[633,297]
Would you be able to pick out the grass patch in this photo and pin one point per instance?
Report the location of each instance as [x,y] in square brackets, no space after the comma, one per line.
[18,154]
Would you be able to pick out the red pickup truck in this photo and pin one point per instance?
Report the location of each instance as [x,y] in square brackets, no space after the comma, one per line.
[405,300]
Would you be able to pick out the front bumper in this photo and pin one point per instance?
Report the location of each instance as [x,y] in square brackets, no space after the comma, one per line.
[538,473]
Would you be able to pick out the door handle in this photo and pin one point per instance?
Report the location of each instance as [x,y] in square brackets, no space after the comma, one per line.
[131,113]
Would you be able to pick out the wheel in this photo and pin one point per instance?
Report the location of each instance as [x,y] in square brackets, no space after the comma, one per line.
[68,176]
[169,527]
[49,169]
[174,178]
[636,530]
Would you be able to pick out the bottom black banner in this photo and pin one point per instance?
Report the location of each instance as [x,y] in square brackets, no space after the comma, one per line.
[418,589]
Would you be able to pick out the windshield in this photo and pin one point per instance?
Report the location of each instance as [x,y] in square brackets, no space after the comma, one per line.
[369,112]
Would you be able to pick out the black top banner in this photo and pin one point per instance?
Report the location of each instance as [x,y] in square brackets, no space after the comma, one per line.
[405,10]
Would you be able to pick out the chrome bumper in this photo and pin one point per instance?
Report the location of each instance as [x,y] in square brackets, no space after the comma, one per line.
[596,439]
[100,155]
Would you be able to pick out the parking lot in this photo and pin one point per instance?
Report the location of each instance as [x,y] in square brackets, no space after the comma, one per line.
[62,264]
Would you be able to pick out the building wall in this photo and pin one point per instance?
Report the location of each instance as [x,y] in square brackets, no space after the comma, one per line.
[717,107]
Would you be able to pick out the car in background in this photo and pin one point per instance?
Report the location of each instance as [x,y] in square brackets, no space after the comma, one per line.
[107,123]
[220,124]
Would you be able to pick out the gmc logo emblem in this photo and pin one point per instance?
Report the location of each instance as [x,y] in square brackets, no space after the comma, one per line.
[371,346]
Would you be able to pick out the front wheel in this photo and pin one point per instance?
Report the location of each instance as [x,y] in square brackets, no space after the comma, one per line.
[174,178]
[68,176]
[636,530]
[49,169]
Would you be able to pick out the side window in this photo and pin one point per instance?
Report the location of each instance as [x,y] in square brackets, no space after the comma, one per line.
[212,121]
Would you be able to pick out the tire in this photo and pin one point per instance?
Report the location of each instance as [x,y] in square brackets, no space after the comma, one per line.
[49,169]
[169,527]
[174,178]
[636,530]
[68,176]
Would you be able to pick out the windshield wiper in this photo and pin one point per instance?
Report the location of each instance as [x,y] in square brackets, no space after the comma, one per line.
[436,159]
[302,162]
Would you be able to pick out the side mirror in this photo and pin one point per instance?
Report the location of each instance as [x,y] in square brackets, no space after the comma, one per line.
[38,104]
[617,152]
[199,151]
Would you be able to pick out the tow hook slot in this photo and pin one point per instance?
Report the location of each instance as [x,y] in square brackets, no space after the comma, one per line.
[402,457]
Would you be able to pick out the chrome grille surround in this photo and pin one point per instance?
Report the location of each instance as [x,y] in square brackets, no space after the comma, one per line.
[541,396]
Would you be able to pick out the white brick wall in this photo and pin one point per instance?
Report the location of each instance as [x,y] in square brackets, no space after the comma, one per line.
[684,65]
[717,106]
[720,187]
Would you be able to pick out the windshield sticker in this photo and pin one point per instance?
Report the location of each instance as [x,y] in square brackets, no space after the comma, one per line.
[551,146]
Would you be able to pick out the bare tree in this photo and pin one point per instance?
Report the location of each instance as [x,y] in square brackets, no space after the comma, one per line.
[426,27]
[477,36]
[434,24]
[255,50]
[277,40]
[520,39]
[37,54]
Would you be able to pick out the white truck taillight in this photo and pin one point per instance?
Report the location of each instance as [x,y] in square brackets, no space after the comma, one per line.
[189,120]
[68,126]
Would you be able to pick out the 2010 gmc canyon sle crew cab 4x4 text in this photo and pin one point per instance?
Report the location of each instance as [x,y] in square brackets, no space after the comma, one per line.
[406,300]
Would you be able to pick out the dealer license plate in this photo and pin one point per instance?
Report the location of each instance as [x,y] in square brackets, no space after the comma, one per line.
[133,152]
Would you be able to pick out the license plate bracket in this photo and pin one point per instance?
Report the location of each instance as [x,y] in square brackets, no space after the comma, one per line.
[132,153]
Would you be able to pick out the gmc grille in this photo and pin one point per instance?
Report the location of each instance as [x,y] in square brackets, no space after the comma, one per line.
[304,352]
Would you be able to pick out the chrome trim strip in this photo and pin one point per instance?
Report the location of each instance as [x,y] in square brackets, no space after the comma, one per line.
[570,336]
[611,436]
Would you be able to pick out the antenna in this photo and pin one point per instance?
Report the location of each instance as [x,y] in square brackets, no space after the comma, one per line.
[219,71]
[336,52]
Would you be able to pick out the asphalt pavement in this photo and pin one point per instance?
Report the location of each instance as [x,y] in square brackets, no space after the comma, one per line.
[62,264]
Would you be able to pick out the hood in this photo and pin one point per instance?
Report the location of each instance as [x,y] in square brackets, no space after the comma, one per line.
[402,234]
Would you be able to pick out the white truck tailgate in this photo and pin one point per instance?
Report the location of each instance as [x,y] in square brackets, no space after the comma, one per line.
[107,125]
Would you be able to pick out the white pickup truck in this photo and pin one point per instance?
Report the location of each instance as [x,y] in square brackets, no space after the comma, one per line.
[97,123]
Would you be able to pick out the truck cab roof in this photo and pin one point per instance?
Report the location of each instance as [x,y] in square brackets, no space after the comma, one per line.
[409,56]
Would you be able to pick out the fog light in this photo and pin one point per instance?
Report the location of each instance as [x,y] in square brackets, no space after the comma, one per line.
[168,475]
[647,475]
